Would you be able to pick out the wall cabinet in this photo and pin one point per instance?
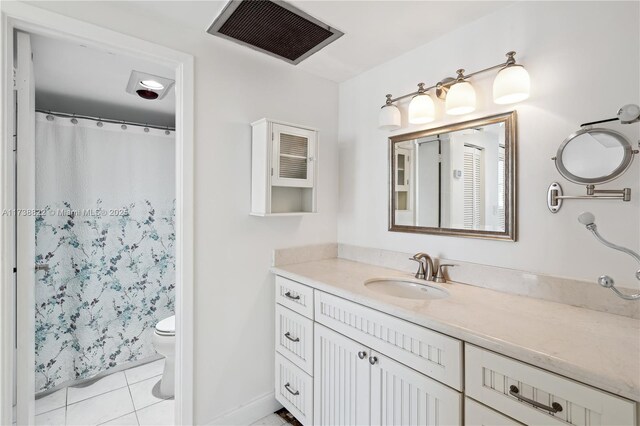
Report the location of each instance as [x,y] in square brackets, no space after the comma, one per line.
[342,363]
[283,168]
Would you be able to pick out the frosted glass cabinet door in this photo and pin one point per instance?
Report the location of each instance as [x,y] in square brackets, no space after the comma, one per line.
[341,380]
[402,396]
[294,151]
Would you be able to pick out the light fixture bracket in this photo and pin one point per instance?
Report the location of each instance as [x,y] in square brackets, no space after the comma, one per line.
[443,87]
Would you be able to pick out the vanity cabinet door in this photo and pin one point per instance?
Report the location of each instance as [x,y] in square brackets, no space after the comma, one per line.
[402,396]
[341,379]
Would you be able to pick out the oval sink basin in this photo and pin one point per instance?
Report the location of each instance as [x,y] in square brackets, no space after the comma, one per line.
[406,288]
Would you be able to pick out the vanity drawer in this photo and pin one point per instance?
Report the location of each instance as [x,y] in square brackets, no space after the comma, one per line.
[294,338]
[476,414]
[294,390]
[294,296]
[494,380]
[431,353]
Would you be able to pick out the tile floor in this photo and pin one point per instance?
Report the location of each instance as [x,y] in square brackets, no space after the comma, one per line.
[128,397]
[279,418]
[270,420]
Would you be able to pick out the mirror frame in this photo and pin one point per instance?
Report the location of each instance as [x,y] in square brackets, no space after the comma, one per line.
[627,159]
[509,234]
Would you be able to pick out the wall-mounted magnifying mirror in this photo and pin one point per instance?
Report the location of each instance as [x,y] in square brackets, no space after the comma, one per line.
[457,179]
[594,156]
[591,156]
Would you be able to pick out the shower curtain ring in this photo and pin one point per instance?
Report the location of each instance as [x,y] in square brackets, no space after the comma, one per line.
[146,129]
[124,126]
[99,123]
[74,120]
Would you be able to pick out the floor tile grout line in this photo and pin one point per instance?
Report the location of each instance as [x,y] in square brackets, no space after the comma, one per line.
[98,394]
[133,404]
[125,414]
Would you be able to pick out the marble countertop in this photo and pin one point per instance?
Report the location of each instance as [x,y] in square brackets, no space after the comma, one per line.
[596,348]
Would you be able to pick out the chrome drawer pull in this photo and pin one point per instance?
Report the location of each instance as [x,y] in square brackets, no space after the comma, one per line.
[293,339]
[362,354]
[286,386]
[555,407]
[288,294]
[373,360]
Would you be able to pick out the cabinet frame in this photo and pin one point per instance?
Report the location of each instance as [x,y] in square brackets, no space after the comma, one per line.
[296,197]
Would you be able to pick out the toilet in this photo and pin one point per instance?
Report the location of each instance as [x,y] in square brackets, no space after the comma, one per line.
[164,341]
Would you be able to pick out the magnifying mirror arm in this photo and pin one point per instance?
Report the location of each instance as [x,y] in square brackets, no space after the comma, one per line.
[607,281]
[555,195]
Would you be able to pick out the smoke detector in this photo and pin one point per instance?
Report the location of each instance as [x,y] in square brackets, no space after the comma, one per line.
[148,86]
[273,27]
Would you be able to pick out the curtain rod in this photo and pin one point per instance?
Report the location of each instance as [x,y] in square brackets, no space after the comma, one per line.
[104,120]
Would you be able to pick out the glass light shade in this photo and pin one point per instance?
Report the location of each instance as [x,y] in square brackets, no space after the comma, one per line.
[152,84]
[421,109]
[389,118]
[511,85]
[461,99]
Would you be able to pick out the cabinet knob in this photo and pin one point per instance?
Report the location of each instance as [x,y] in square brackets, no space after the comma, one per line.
[362,354]
[373,360]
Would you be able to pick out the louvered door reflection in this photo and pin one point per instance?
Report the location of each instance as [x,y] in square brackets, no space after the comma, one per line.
[293,156]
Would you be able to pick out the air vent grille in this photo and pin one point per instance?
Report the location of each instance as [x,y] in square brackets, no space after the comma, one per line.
[273,27]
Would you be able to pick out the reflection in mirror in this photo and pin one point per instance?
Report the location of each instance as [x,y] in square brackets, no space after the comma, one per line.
[594,156]
[453,179]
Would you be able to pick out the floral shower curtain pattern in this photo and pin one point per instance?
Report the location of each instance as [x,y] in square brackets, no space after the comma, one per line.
[106,229]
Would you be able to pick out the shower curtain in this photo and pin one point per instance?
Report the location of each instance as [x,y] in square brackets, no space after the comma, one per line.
[106,228]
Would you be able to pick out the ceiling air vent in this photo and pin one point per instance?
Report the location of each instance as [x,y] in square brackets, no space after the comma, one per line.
[273,27]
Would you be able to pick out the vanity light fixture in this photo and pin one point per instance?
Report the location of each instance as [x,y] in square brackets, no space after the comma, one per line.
[389,118]
[421,109]
[511,85]
[461,98]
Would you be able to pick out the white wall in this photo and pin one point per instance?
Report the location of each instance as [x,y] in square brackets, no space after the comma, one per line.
[583,61]
[234,292]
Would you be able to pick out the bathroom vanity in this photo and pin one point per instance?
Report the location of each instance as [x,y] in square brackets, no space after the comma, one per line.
[349,355]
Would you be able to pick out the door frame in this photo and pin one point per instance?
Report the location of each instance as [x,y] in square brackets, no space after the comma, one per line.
[27,18]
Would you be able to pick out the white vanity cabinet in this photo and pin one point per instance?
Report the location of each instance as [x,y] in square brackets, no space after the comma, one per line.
[537,397]
[294,348]
[283,168]
[342,363]
[354,385]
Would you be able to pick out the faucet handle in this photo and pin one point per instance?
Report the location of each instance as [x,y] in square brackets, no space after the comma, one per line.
[440,278]
[421,272]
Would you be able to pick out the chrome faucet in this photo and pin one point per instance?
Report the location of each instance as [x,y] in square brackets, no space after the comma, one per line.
[425,270]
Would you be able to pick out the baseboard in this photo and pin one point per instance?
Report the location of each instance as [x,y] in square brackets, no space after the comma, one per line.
[250,412]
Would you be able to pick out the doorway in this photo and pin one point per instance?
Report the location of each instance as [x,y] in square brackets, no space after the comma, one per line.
[108,226]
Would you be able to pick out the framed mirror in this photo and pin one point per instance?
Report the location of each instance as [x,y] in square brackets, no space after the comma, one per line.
[456,180]
[594,156]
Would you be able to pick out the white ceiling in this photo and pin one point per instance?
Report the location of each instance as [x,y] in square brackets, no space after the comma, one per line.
[375,31]
[75,79]
[72,78]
